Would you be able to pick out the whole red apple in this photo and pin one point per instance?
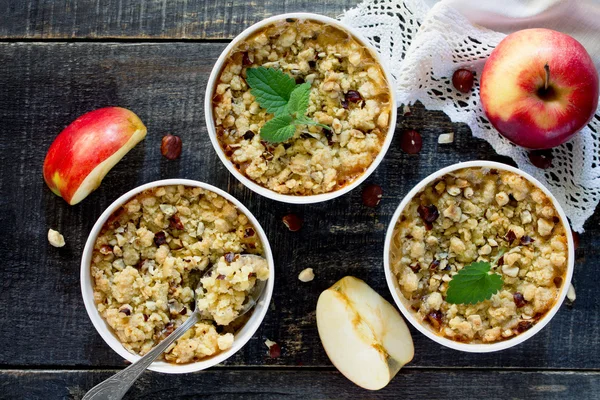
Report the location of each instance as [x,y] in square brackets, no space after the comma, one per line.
[539,87]
[84,152]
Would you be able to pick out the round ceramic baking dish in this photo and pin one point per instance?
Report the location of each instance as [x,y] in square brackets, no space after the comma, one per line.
[241,337]
[208,111]
[402,303]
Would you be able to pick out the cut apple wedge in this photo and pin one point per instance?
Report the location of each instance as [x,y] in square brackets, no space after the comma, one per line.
[84,152]
[364,336]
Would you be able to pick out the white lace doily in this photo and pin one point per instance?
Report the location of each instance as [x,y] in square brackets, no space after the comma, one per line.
[423,46]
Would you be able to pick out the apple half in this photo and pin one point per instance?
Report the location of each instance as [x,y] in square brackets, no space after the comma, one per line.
[364,336]
[84,152]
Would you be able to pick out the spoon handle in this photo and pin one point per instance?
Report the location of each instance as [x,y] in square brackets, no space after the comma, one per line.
[115,387]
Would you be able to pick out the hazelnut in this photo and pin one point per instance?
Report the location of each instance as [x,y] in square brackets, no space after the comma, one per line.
[462,79]
[411,142]
[371,195]
[293,222]
[541,158]
[171,147]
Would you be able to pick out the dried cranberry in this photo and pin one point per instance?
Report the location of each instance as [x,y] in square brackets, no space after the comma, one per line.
[248,135]
[299,80]
[344,103]
[435,264]
[145,318]
[160,238]
[220,277]
[523,326]
[462,79]
[519,300]
[249,232]
[293,222]
[501,261]
[125,310]
[246,59]
[435,319]
[415,267]
[229,257]
[371,195]
[312,64]
[429,214]
[411,142]
[353,96]
[510,237]
[541,158]
[555,219]
[252,275]
[175,222]
[525,240]
[274,351]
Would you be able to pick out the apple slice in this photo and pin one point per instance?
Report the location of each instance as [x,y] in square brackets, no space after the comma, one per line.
[364,336]
[84,152]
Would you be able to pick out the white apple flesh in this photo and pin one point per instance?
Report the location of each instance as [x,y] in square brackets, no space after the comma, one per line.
[364,336]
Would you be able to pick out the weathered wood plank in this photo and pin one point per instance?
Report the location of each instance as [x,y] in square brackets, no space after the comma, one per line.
[157,19]
[223,383]
[45,86]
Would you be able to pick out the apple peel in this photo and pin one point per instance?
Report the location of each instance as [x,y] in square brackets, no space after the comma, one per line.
[86,150]
[364,336]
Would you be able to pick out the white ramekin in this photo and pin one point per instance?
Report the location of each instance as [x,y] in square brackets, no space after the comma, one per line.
[208,112]
[401,302]
[241,337]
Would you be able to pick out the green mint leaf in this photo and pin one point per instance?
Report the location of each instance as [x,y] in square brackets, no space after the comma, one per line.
[278,129]
[304,120]
[299,100]
[271,88]
[473,284]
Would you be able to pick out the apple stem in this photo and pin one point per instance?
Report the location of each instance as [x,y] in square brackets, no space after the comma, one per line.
[547,69]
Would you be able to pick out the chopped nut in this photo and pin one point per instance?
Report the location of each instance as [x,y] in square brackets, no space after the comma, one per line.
[510,271]
[571,293]
[544,227]
[446,138]
[306,275]
[453,190]
[55,238]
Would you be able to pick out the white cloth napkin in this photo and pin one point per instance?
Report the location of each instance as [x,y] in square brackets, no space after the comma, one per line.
[578,18]
[424,41]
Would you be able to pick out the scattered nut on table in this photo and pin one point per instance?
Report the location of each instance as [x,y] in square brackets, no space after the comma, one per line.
[55,238]
[446,138]
[306,275]
[274,348]
[571,293]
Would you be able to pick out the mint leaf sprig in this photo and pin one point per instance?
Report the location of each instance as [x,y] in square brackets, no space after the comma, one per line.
[278,93]
[474,283]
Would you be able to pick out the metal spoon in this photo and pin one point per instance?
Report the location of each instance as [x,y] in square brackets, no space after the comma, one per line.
[115,387]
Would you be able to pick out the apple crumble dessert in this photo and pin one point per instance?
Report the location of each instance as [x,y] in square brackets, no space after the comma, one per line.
[150,256]
[480,215]
[348,93]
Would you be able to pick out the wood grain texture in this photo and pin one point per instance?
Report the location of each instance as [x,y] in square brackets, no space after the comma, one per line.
[47,85]
[147,19]
[247,383]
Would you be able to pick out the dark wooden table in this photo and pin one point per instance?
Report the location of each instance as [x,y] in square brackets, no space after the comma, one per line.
[59,59]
